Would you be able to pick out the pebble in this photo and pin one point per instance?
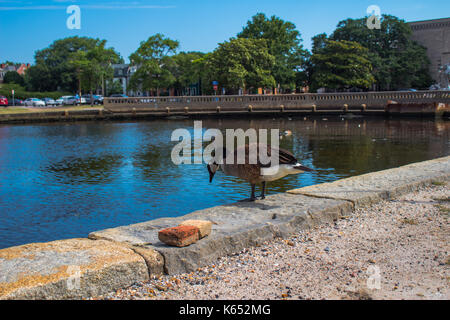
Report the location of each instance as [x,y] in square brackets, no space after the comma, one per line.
[371,239]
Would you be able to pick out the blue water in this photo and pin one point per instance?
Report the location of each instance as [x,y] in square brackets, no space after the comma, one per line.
[62,181]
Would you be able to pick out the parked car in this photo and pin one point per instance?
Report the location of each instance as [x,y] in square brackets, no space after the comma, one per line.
[81,100]
[68,100]
[34,102]
[59,102]
[3,101]
[435,87]
[49,102]
[72,100]
[117,95]
[100,99]
[15,102]
[96,99]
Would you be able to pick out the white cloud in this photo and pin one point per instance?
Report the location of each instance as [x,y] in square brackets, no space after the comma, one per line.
[32,8]
[104,6]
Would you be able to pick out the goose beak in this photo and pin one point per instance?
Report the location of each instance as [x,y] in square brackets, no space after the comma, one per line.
[211,174]
[303,168]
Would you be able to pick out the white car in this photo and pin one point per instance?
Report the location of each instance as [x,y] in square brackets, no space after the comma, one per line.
[34,102]
[49,102]
[72,100]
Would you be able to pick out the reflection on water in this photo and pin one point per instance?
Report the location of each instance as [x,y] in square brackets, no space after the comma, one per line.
[90,170]
[66,180]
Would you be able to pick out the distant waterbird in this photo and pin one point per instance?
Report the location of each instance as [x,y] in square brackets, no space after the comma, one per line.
[257,173]
[285,133]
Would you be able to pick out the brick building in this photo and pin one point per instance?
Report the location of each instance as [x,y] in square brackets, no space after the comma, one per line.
[435,36]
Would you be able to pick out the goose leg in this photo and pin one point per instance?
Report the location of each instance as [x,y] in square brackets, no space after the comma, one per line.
[252,197]
[263,190]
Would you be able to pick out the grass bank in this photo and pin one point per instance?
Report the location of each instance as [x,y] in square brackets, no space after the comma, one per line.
[15,110]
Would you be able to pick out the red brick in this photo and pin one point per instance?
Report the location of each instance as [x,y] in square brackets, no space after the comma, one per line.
[180,236]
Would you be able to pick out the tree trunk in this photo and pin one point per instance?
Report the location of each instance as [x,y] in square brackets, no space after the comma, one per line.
[103,85]
[79,83]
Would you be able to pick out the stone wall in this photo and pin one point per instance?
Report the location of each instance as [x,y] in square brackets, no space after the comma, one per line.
[370,101]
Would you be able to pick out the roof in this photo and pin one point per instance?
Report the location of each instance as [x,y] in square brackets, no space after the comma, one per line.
[430,24]
[430,21]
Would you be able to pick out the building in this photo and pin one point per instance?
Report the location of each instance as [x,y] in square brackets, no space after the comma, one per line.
[20,69]
[4,68]
[435,36]
[121,75]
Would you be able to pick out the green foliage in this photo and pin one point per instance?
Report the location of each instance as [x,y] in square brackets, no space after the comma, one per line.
[93,65]
[319,42]
[154,60]
[341,65]
[284,43]
[13,77]
[398,62]
[242,63]
[187,69]
[114,87]
[21,93]
[205,72]
[55,68]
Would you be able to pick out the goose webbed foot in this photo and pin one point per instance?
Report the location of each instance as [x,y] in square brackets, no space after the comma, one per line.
[253,197]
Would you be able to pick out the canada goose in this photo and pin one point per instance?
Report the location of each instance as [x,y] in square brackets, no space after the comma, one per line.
[258,173]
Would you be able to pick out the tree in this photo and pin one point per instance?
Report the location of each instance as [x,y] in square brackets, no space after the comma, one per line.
[93,66]
[187,69]
[318,43]
[13,77]
[398,61]
[114,87]
[242,63]
[341,65]
[284,43]
[54,68]
[154,61]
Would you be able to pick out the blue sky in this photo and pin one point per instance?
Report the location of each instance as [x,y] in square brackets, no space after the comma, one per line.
[27,26]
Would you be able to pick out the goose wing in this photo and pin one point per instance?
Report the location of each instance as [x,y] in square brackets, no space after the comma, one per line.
[284,157]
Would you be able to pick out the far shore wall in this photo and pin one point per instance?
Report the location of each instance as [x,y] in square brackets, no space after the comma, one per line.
[415,104]
[352,101]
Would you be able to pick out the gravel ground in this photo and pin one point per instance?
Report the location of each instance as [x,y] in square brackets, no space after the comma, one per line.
[397,249]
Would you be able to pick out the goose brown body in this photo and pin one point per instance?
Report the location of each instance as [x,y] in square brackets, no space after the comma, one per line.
[253,169]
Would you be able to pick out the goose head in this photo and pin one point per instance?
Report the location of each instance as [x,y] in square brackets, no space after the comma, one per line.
[212,168]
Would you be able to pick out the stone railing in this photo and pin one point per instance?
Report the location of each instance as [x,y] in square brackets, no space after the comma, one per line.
[371,100]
